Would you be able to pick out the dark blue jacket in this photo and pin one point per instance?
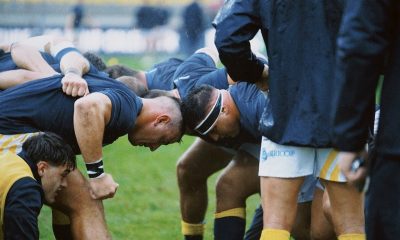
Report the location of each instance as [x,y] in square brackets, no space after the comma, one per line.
[300,38]
[368,43]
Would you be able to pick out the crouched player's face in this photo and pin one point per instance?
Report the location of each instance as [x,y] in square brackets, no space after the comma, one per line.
[225,127]
[227,124]
[156,133]
[53,179]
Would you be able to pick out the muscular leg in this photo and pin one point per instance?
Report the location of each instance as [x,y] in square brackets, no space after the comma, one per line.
[321,221]
[238,181]
[347,208]
[86,214]
[194,167]
[301,227]
[279,201]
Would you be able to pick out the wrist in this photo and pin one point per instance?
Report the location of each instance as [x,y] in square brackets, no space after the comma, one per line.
[72,70]
[95,169]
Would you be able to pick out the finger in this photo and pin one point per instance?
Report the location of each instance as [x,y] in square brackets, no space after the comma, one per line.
[69,89]
[81,91]
[75,91]
[64,86]
[360,174]
[86,91]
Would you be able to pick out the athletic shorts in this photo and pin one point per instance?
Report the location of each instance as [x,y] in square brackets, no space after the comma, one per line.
[13,143]
[290,161]
[306,193]
[250,148]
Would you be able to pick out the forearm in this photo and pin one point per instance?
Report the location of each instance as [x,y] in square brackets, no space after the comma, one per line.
[74,62]
[29,58]
[15,77]
[90,118]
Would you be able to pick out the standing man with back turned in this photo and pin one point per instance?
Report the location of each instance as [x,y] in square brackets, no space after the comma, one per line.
[300,38]
[369,43]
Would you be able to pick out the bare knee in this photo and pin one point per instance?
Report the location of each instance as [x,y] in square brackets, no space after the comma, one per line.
[190,177]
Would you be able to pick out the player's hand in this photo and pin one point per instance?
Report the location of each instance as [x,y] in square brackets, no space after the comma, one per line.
[103,187]
[74,85]
[354,173]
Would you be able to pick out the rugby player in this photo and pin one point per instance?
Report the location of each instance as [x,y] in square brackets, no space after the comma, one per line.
[220,114]
[368,47]
[202,158]
[87,123]
[36,175]
[301,54]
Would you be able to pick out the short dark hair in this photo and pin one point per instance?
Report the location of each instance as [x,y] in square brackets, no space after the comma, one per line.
[180,123]
[119,70]
[194,105]
[95,60]
[134,84]
[51,148]
[153,93]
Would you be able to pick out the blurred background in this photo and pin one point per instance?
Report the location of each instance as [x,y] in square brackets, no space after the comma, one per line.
[115,26]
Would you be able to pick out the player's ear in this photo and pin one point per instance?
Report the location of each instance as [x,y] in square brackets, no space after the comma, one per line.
[164,119]
[41,167]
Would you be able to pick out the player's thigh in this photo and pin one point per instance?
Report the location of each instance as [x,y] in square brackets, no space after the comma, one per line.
[321,225]
[202,159]
[240,177]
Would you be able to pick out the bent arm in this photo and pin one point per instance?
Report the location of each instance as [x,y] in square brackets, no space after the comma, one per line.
[29,58]
[236,24]
[15,77]
[91,114]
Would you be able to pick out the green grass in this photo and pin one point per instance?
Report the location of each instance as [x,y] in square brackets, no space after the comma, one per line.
[146,205]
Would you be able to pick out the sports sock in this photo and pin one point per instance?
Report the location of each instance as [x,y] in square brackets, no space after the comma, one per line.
[230,224]
[352,236]
[274,234]
[61,225]
[192,231]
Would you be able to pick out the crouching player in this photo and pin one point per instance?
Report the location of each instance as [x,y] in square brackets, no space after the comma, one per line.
[29,179]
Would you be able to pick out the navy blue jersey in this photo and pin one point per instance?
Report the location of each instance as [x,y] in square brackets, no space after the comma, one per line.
[42,106]
[191,70]
[161,75]
[251,103]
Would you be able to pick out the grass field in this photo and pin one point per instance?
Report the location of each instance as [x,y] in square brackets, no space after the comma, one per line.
[146,205]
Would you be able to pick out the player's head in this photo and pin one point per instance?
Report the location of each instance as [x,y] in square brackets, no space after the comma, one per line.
[211,112]
[134,84]
[54,160]
[159,123]
[118,70]
[95,60]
